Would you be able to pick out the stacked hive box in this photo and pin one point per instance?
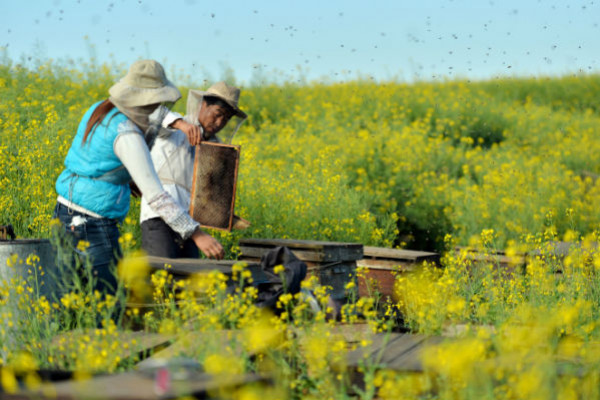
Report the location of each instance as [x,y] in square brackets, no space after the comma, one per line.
[379,267]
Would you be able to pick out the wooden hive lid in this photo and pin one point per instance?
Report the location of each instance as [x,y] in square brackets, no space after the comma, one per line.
[305,250]
[400,254]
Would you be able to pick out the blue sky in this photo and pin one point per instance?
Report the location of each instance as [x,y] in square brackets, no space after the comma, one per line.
[331,40]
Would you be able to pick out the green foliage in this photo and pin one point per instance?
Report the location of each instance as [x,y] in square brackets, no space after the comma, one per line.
[384,164]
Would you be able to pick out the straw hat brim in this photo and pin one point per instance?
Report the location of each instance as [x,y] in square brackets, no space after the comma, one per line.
[132,96]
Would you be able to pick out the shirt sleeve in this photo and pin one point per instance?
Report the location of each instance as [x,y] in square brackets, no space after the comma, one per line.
[170,117]
[131,149]
[167,120]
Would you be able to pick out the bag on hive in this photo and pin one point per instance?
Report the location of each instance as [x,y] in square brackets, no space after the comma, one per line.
[293,274]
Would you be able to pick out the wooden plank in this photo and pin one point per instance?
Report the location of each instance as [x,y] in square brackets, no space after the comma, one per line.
[400,353]
[470,250]
[133,386]
[353,333]
[491,256]
[303,255]
[144,340]
[193,344]
[187,266]
[559,249]
[400,347]
[494,257]
[412,359]
[190,266]
[331,251]
[387,265]
[314,256]
[403,352]
[298,243]
[400,254]
[373,351]
[133,344]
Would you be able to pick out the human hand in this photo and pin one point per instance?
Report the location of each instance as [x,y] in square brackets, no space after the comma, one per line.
[193,132]
[208,245]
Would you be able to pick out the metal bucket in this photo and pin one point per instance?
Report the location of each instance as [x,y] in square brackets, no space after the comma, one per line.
[24,250]
[39,274]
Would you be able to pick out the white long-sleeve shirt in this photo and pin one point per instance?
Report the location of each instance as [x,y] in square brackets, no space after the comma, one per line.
[130,147]
[173,159]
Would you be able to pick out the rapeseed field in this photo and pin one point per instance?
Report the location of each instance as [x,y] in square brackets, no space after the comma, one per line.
[506,165]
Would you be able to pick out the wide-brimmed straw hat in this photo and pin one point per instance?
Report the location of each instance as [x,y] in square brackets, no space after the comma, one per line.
[144,84]
[229,94]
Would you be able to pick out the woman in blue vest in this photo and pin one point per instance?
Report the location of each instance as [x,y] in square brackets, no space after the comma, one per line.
[110,150]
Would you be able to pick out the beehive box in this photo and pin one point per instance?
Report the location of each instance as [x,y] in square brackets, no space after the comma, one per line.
[552,252]
[333,262]
[503,264]
[379,267]
[214,185]
[184,267]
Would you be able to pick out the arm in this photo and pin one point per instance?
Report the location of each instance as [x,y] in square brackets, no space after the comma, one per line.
[193,132]
[174,120]
[171,118]
[164,117]
[133,152]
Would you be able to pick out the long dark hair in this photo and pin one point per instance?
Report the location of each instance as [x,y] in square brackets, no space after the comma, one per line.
[96,118]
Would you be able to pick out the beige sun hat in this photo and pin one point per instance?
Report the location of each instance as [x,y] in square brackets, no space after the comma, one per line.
[144,84]
[229,94]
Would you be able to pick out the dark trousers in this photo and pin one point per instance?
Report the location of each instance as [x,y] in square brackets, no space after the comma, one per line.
[103,251]
[159,240]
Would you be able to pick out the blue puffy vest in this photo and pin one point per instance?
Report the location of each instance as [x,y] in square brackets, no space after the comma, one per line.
[94,177]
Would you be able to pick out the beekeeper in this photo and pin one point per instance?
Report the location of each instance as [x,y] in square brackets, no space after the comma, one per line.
[110,149]
[216,117]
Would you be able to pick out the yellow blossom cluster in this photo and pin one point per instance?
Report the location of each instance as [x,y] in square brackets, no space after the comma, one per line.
[508,168]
